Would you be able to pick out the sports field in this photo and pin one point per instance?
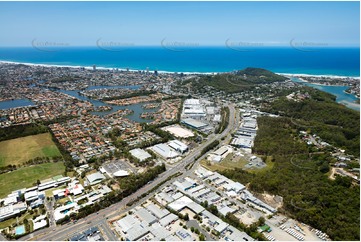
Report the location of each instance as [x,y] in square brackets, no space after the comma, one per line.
[26,176]
[17,151]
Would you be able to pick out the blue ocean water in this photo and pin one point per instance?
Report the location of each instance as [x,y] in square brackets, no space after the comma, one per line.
[317,61]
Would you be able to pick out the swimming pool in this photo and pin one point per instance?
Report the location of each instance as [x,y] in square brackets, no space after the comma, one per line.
[20,230]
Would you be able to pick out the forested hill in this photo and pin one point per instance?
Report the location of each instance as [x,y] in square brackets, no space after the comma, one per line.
[237,81]
[259,75]
[333,122]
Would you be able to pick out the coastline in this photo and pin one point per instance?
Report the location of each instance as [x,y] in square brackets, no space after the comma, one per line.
[106,68]
[312,75]
[170,72]
[289,75]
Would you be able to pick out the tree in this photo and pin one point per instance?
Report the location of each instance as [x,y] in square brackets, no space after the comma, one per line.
[261,221]
[186,217]
[201,237]
[82,175]
[206,204]
[213,209]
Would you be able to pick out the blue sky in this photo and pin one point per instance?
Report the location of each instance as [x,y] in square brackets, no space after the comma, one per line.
[201,23]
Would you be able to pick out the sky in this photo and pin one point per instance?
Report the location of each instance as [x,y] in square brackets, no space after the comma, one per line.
[187,23]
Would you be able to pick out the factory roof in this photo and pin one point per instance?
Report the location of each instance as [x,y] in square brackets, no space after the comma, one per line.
[165,151]
[168,219]
[194,123]
[140,154]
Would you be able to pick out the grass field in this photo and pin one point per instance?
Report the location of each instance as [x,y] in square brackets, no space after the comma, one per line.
[227,163]
[17,151]
[231,162]
[26,176]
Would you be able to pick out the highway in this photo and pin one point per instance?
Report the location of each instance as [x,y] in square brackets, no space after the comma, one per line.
[63,232]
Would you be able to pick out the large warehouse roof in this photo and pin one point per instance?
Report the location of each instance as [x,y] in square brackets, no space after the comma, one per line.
[194,123]
[178,131]
[165,151]
[140,154]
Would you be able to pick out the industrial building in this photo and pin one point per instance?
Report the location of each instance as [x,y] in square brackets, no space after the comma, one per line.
[178,146]
[245,135]
[185,202]
[195,124]
[117,168]
[178,131]
[164,151]
[192,108]
[140,154]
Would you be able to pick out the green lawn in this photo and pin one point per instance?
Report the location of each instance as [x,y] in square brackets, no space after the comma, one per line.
[26,176]
[17,151]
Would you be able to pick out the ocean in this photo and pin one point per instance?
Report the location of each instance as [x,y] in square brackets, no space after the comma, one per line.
[287,60]
[314,61]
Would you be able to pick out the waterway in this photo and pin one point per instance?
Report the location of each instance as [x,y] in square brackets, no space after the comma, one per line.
[15,103]
[137,108]
[349,100]
[135,116]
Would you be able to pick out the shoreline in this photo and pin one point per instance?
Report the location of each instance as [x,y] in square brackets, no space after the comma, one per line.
[318,75]
[106,68]
[320,84]
[170,72]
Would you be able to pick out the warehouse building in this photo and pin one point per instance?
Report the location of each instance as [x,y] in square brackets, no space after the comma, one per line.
[164,151]
[193,108]
[195,124]
[178,146]
[140,154]
[178,131]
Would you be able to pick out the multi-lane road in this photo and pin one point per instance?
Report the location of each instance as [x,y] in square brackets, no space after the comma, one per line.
[64,232]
